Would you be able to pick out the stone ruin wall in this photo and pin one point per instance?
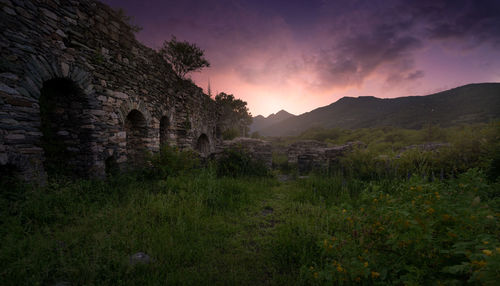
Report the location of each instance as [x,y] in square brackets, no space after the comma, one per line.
[121,89]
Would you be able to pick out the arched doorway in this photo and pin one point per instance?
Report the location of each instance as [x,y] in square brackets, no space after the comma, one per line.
[164,131]
[203,144]
[136,129]
[65,141]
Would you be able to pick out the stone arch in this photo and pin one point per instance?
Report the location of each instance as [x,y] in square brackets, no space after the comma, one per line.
[39,70]
[129,105]
[66,138]
[165,127]
[203,144]
[136,129]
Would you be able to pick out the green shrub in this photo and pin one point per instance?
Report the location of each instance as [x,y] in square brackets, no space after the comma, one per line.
[237,163]
[418,233]
[171,161]
[230,134]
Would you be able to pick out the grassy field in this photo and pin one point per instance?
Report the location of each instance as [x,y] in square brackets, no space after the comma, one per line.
[224,224]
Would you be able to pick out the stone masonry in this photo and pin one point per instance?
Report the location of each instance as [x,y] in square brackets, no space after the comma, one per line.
[73,72]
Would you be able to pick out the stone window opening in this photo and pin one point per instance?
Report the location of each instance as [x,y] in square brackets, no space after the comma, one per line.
[203,144]
[10,176]
[111,166]
[136,130]
[65,140]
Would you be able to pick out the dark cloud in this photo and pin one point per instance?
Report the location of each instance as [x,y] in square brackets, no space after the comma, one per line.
[369,36]
[474,21]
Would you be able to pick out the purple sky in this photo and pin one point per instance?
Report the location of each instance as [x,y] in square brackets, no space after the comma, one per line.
[299,55]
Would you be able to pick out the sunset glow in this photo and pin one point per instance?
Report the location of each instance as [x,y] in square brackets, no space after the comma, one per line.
[300,55]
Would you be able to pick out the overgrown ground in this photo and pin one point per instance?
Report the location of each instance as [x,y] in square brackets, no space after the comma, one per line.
[230,223]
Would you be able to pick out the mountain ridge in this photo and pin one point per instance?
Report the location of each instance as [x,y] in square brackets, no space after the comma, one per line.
[471,103]
[260,122]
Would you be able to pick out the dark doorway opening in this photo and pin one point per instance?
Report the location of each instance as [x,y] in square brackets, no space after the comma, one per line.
[203,144]
[65,141]
[136,128]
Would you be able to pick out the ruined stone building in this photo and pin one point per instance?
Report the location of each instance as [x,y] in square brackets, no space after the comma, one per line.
[76,86]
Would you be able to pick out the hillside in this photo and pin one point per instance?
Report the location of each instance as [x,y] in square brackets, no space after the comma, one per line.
[471,103]
[260,122]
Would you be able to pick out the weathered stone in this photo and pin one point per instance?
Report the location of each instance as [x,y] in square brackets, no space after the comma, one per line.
[9,11]
[114,77]
[7,89]
[64,69]
[258,150]
[49,14]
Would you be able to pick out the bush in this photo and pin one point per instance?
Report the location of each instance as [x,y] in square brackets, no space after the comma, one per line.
[171,161]
[414,233]
[237,163]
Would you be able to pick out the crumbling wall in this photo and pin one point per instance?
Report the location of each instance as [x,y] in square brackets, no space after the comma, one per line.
[87,44]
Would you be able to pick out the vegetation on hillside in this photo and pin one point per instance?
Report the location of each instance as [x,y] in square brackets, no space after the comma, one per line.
[469,104]
[362,222]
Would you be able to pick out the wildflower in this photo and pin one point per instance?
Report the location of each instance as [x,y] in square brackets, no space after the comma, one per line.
[365,264]
[316,275]
[375,200]
[430,210]
[311,268]
[480,263]
[485,242]
[375,274]
[339,268]
[343,211]
[487,252]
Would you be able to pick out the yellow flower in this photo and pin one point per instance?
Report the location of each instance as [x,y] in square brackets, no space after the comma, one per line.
[366,264]
[343,211]
[375,274]
[485,242]
[430,210]
[480,263]
[316,275]
[339,268]
[487,252]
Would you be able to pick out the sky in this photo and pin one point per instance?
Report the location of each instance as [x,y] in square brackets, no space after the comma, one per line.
[300,55]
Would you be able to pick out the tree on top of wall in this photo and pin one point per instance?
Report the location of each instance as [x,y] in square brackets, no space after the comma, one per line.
[234,116]
[183,56]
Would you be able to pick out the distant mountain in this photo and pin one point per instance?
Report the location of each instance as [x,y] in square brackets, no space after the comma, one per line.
[260,122]
[470,103]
